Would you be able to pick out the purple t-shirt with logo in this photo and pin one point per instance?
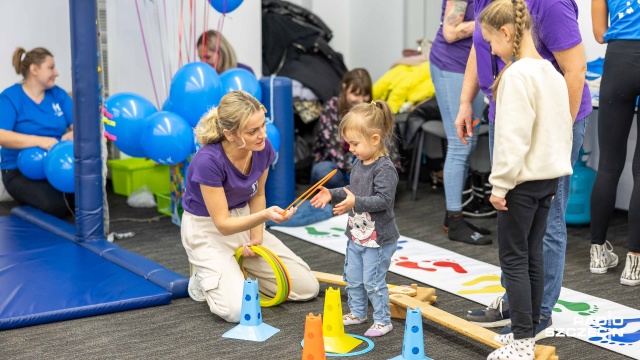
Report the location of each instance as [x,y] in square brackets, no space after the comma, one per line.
[451,57]
[210,166]
[555,28]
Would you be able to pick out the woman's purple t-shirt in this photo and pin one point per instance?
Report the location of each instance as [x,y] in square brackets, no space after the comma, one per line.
[451,57]
[210,166]
[555,28]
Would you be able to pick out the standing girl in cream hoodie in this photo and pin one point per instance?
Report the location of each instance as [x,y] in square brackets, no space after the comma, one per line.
[532,150]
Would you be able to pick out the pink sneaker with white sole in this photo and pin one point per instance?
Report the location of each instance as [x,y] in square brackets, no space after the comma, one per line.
[378,329]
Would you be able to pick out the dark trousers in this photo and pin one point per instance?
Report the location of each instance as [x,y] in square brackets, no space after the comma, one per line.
[37,193]
[520,232]
[619,90]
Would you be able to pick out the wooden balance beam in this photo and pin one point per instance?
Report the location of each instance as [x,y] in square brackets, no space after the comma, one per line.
[418,293]
[402,297]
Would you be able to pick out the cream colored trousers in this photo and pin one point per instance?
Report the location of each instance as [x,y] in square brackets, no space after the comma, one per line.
[213,257]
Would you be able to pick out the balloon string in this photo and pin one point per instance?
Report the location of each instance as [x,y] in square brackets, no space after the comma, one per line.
[217,52]
[166,32]
[194,33]
[146,51]
[180,34]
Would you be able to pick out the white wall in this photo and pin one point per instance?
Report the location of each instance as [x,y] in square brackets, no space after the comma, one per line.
[33,23]
[128,66]
[368,33]
[592,49]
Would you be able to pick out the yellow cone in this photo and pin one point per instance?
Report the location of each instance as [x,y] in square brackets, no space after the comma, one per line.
[335,340]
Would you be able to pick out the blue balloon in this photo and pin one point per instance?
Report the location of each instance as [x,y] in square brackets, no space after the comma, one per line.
[168,105]
[273,134]
[241,79]
[128,111]
[194,90]
[59,166]
[31,163]
[225,6]
[167,138]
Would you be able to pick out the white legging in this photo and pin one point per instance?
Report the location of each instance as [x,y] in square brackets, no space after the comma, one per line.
[213,257]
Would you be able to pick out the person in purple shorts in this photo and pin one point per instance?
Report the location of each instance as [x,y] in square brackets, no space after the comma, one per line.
[225,209]
[555,28]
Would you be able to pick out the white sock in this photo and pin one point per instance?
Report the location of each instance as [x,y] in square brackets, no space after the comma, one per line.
[521,349]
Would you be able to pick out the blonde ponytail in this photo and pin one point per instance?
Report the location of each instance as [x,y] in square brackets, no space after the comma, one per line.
[232,114]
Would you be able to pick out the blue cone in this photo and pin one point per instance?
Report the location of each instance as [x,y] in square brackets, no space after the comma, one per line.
[413,344]
[251,326]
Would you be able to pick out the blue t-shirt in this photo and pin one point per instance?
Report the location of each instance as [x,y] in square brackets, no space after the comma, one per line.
[210,166]
[624,20]
[19,113]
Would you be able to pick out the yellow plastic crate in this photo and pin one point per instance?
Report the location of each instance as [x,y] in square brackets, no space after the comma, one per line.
[164,204]
[130,174]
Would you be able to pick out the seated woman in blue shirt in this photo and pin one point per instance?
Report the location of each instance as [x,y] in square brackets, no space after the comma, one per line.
[34,113]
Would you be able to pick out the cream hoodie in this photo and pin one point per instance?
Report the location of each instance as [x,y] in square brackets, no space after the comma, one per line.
[533,126]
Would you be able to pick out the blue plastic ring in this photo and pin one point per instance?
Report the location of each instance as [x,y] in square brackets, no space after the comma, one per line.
[363,351]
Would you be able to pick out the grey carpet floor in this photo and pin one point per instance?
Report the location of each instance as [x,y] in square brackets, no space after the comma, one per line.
[186,329]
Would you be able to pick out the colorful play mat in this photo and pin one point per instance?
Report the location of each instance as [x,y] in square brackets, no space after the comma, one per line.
[597,321]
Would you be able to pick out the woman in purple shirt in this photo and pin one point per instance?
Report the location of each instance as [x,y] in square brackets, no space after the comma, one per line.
[448,57]
[225,209]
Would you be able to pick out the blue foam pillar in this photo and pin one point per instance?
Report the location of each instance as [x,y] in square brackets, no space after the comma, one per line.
[277,97]
[86,120]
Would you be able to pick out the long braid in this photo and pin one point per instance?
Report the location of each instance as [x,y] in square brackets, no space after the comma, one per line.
[500,13]
[519,7]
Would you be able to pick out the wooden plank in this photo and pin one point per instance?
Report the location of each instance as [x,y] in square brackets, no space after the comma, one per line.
[422,293]
[462,326]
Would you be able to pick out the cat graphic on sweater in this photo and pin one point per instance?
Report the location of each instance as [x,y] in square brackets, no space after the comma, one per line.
[363,230]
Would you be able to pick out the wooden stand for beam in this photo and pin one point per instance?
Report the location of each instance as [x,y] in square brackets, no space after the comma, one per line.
[402,297]
[418,293]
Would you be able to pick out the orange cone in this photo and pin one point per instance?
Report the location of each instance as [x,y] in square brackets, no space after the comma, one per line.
[313,341]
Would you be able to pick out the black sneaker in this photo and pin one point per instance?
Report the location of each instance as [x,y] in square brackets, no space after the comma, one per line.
[495,315]
[544,329]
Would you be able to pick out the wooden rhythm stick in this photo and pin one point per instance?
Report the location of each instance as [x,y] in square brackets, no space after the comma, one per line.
[309,192]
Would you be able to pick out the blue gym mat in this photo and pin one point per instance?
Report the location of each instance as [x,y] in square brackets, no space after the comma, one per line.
[45,277]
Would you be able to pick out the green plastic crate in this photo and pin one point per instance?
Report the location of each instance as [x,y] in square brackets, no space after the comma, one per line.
[164,204]
[127,175]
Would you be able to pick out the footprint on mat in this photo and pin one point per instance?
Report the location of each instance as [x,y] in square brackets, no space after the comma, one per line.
[312,231]
[618,339]
[494,288]
[400,242]
[448,264]
[404,261]
[483,278]
[582,308]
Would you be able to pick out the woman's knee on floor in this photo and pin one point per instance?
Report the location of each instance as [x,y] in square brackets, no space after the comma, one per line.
[225,302]
[305,287]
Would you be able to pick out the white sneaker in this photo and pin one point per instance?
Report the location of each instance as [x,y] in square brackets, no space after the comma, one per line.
[521,349]
[350,319]
[195,289]
[631,274]
[602,258]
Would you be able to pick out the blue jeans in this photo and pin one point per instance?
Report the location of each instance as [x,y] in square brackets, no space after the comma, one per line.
[448,87]
[322,168]
[365,272]
[554,243]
